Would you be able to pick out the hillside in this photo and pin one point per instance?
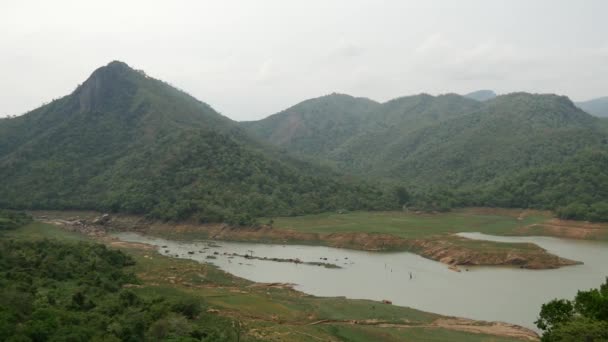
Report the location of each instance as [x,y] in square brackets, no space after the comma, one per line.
[123,141]
[597,107]
[507,134]
[454,150]
[314,126]
[577,187]
[481,95]
[323,126]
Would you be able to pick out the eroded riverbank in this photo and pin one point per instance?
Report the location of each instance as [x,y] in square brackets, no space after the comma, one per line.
[449,249]
[510,294]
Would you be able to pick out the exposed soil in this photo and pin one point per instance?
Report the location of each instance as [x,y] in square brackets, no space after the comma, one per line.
[448,249]
[491,328]
[568,229]
[351,240]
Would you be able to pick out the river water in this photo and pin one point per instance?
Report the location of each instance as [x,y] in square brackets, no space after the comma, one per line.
[485,293]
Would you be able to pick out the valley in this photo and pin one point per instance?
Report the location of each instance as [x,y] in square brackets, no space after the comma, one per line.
[430,235]
[338,218]
[274,311]
[189,242]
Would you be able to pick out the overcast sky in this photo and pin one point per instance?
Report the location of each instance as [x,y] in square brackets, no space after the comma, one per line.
[250,59]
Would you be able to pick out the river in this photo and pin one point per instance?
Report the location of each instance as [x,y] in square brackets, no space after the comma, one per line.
[505,294]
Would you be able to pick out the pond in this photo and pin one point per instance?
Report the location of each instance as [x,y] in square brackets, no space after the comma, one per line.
[505,294]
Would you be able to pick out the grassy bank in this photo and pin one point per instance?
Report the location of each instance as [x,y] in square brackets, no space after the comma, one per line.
[430,235]
[417,225]
[274,313]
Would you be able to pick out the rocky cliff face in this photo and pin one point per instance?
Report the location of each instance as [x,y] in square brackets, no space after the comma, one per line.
[106,86]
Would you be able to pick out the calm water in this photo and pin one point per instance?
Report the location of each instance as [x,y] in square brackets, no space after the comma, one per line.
[485,293]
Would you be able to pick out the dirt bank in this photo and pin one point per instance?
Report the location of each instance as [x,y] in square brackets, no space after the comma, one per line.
[448,249]
[567,229]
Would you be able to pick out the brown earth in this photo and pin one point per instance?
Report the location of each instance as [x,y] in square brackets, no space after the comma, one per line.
[568,229]
[448,249]
[451,250]
[176,276]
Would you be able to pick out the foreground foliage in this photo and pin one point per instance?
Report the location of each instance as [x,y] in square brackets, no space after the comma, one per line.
[583,319]
[58,291]
[13,219]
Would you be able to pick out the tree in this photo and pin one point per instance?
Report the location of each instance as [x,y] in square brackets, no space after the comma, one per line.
[583,319]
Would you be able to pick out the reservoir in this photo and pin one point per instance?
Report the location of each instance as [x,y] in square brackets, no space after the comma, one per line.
[505,294]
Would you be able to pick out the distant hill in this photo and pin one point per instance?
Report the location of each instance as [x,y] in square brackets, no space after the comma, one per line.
[481,95]
[123,141]
[467,147]
[316,125]
[597,107]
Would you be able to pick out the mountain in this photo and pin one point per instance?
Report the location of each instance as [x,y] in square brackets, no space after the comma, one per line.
[320,126]
[481,95]
[126,142]
[314,126]
[506,134]
[391,122]
[450,142]
[597,107]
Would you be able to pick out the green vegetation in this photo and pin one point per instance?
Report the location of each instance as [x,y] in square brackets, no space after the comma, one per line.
[408,225]
[165,288]
[11,220]
[125,142]
[583,319]
[315,126]
[577,188]
[516,150]
[64,291]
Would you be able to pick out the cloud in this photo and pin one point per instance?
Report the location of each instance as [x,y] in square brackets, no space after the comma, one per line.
[347,49]
[432,44]
[450,57]
[265,70]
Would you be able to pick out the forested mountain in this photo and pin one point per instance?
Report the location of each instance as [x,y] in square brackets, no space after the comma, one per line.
[597,107]
[314,126]
[514,150]
[323,125]
[481,95]
[124,141]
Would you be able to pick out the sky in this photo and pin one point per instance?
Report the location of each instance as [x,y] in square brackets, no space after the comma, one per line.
[249,59]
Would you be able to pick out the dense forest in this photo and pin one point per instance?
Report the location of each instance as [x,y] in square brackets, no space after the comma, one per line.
[57,291]
[123,141]
[583,319]
[13,219]
[515,150]
[126,142]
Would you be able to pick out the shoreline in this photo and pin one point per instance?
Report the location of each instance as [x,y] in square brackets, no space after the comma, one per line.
[452,250]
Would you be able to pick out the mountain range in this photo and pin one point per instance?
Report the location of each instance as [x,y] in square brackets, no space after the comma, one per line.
[493,152]
[123,141]
[126,142]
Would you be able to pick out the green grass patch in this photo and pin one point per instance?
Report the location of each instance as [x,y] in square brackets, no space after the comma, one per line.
[39,230]
[410,225]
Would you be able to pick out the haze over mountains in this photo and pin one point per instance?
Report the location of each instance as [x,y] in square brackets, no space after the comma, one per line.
[597,107]
[481,95]
[123,141]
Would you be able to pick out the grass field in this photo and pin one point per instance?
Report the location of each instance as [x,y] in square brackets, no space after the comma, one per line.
[268,313]
[410,225]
